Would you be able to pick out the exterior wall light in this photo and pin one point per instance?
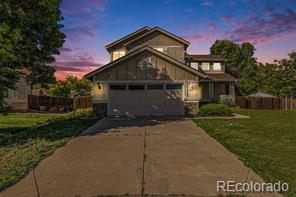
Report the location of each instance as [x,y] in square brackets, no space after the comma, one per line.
[99,86]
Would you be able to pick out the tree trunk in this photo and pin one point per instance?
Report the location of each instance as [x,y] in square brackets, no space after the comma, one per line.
[291,102]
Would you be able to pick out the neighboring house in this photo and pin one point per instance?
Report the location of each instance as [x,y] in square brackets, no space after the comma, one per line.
[150,73]
[18,98]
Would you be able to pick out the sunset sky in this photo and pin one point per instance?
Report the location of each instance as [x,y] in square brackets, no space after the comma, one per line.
[91,24]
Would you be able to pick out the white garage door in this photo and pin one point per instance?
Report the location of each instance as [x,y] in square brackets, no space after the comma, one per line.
[148,99]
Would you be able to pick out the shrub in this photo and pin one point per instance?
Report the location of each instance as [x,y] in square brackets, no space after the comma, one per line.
[5,108]
[215,110]
[81,112]
[227,100]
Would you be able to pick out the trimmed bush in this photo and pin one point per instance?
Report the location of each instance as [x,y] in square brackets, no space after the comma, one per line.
[227,100]
[215,110]
[81,112]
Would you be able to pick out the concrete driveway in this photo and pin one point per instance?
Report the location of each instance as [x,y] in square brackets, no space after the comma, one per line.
[143,156]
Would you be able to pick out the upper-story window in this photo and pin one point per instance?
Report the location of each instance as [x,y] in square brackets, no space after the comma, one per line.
[217,66]
[117,54]
[194,65]
[205,66]
[160,49]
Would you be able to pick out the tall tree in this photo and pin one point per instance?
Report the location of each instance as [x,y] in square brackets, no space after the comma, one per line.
[30,36]
[241,63]
[268,78]
[229,51]
[287,76]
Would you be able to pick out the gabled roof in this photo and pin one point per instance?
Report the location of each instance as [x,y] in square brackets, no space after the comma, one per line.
[204,57]
[262,95]
[141,49]
[142,30]
[162,31]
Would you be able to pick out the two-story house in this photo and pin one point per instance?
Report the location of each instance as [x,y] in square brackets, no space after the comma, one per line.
[150,73]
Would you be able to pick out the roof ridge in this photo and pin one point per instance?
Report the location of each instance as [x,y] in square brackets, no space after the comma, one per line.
[164,31]
[142,47]
[127,36]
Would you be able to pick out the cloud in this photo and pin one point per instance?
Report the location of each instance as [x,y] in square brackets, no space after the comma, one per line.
[82,22]
[98,4]
[228,18]
[78,65]
[193,33]
[261,29]
[82,18]
[212,26]
[77,57]
[65,50]
[169,2]
[80,32]
[66,68]
[268,8]
[76,68]
[248,1]
[207,3]
[82,7]
[74,61]
[197,37]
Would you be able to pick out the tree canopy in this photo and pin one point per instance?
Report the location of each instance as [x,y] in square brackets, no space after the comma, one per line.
[287,73]
[30,36]
[71,87]
[278,78]
[241,63]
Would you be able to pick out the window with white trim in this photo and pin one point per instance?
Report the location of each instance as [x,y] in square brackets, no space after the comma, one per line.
[205,66]
[160,49]
[117,54]
[217,66]
[194,65]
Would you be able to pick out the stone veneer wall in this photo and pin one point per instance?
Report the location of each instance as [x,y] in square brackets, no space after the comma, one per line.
[100,109]
[191,108]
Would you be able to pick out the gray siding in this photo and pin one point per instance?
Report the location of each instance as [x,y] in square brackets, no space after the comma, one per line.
[172,47]
[145,66]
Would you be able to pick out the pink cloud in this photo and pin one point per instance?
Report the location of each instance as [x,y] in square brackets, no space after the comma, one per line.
[65,49]
[80,32]
[82,21]
[98,4]
[228,19]
[197,37]
[194,34]
[79,69]
[66,68]
[257,29]
[82,7]
[212,26]
[74,61]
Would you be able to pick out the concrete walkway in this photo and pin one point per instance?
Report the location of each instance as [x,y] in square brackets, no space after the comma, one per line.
[154,156]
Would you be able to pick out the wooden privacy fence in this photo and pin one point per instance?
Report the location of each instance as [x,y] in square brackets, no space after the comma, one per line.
[82,102]
[265,103]
[58,104]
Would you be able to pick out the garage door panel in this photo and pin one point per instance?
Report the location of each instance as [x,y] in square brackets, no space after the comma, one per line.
[120,110]
[145,102]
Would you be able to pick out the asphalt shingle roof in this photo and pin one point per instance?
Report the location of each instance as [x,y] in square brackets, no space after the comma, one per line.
[205,57]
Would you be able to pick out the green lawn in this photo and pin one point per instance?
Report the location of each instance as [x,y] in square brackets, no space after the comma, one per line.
[266,142]
[22,148]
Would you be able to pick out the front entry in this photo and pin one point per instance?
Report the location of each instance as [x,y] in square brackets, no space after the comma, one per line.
[146,99]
